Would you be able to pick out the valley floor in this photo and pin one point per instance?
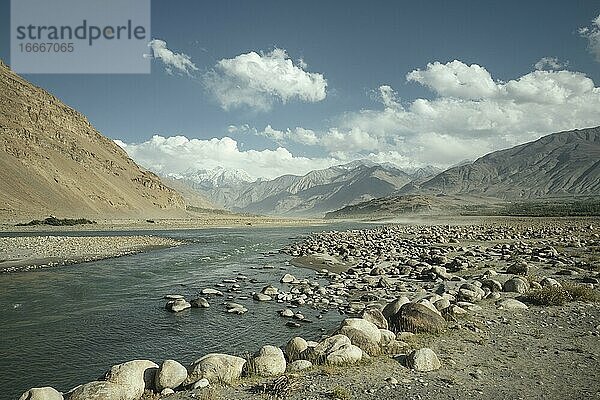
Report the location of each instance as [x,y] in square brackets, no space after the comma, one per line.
[207,221]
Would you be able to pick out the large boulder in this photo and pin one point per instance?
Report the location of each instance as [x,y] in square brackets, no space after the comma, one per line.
[375,316]
[294,348]
[423,360]
[387,337]
[217,368]
[133,376]
[42,393]
[516,284]
[362,333]
[170,375]
[269,361]
[393,307]
[177,305]
[416,318]
[318,354]
[100,390]
[469,292]
[347,354]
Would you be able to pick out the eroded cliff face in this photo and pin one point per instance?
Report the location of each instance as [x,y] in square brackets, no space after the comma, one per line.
[53,161]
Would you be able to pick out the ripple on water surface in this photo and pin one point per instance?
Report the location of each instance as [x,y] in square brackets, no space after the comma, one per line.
[65,326]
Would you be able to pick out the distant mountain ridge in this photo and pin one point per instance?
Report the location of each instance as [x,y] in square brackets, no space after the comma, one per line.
[559,165]
[312,194]
[563,163]
[53,161]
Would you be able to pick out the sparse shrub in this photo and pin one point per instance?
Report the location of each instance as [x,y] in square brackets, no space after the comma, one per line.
[559,295]
[53,221]
[340,393]
[547,296]
[581,292]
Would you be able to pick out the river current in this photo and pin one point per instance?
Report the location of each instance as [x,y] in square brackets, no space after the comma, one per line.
[65,326]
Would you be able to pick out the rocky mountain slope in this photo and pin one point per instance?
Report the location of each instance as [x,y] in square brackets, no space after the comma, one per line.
[53,161]
[313,194]
[561,166]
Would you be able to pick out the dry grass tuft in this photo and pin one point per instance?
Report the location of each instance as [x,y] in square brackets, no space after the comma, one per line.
[340,393]
[280,388]
[581,292]
[557,295]
[547,296]
[150,395]
[210,393]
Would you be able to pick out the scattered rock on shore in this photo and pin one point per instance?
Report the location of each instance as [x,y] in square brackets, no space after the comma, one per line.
[215,368]
[170,375]
[416,318]
[43,393]
[423,360]
[269,361]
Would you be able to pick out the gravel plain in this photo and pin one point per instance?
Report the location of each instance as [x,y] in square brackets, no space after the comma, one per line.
[25,253]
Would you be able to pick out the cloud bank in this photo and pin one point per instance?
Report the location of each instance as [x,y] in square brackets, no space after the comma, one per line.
[469,115]
[259,80]
[178,154]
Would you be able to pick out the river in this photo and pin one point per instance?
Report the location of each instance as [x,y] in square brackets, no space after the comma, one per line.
[65,326]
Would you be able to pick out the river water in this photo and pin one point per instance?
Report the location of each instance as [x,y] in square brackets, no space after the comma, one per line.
[65,326]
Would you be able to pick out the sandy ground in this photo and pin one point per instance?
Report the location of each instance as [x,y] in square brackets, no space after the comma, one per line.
[26,253]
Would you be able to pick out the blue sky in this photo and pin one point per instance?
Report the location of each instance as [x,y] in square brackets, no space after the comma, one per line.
[357,47]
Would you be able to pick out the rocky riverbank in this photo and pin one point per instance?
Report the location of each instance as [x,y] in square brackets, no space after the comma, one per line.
[25,253]
[505,309]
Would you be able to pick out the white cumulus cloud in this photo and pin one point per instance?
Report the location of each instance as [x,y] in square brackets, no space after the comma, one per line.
[259,80]
[592,34]
[472,115]
[551,63]
[456,79]
[173,62]
[298,135]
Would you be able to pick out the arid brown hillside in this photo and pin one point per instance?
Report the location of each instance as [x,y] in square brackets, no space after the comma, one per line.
[559,164]
[53,161]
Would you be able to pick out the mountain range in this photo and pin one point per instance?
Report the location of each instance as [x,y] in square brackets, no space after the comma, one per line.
[312,194]
[557,166]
